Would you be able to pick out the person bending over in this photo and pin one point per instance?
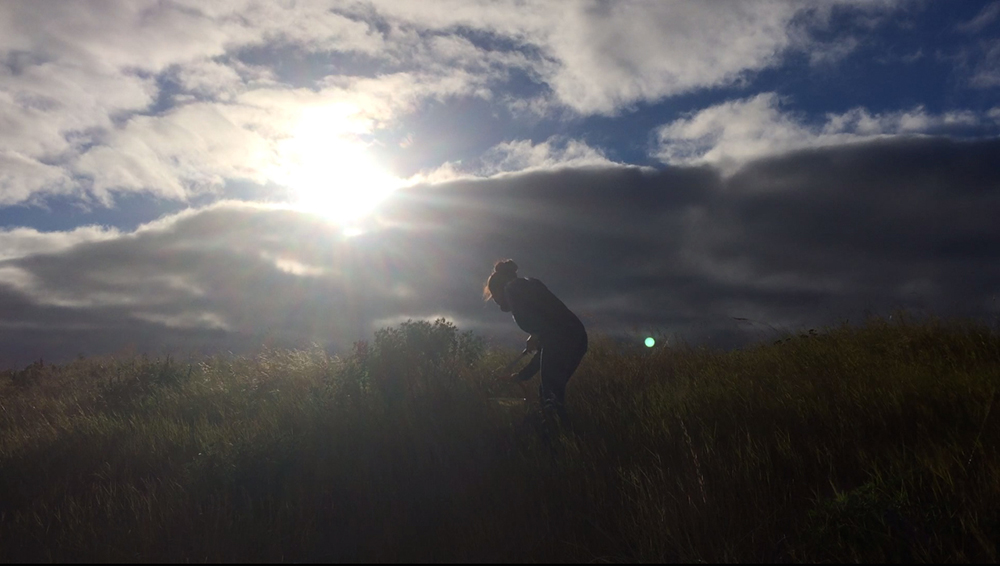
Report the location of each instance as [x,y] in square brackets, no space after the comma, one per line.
[556,335]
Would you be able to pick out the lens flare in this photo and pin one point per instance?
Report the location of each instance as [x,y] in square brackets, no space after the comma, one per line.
[650,342]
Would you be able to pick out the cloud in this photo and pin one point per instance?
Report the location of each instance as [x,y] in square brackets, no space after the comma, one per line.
[732,133]
[981,60]
[209,78]
[49,112]
[71,70]
[76,76]
[805,238]
[983,19]
[615,55]
[197,147]
[986,73]
[519,156]
[834,51]
[94,95]
[21,242]
[22,176]
[194,147]
[599,58]
[522,155]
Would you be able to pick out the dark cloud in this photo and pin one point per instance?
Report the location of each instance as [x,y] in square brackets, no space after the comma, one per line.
[883,220]
[806,239]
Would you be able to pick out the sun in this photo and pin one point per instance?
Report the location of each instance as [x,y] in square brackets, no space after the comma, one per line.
[329,170]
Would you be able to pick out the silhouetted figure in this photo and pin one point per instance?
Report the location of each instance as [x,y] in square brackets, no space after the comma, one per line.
[556,334]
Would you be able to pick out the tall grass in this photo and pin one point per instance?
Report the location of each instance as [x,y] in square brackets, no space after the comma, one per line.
[863,443]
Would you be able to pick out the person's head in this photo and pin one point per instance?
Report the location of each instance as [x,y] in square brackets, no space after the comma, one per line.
[504,271]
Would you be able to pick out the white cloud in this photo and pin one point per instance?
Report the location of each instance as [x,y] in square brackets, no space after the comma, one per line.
[108,36]
[522,155]
[75,70]
[21,177]
[20,242]
[198,146]
[210,78]
[43,106]
[623,53]
[195,147]
[447,171]
[80,96]
[600,57]
[732,133]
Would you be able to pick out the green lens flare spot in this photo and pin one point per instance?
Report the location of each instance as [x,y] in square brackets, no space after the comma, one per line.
[650,342]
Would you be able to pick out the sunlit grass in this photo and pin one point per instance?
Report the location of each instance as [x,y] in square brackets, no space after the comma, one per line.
[858,444]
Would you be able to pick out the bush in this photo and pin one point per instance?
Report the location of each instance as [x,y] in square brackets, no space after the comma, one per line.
[418,354]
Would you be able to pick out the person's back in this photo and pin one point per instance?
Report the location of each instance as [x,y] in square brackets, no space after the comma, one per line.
[537,311]
[557,336]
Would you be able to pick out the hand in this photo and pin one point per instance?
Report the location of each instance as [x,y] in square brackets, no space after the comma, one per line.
[533,344]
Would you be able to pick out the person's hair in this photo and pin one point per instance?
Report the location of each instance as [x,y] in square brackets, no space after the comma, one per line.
[504,271]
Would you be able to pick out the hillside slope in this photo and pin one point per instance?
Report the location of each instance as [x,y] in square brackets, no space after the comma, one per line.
[856,443]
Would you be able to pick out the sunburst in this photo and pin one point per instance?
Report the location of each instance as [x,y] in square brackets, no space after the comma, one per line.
[329,170]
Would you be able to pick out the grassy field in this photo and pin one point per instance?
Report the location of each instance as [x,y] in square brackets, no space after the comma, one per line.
[864,443]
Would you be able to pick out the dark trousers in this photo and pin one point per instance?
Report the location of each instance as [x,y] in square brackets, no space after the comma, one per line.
[559,359]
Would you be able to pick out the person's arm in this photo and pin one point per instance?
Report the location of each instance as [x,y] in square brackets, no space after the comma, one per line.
[531,369]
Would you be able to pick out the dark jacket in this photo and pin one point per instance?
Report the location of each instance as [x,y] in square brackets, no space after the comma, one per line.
[540,313]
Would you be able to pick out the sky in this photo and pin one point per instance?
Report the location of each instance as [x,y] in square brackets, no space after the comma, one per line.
[194,177]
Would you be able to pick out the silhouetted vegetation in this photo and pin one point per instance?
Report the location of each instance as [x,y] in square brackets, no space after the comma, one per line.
[863,443]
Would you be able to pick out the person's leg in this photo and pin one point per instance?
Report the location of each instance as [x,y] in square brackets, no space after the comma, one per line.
[559,361]
[552,393]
